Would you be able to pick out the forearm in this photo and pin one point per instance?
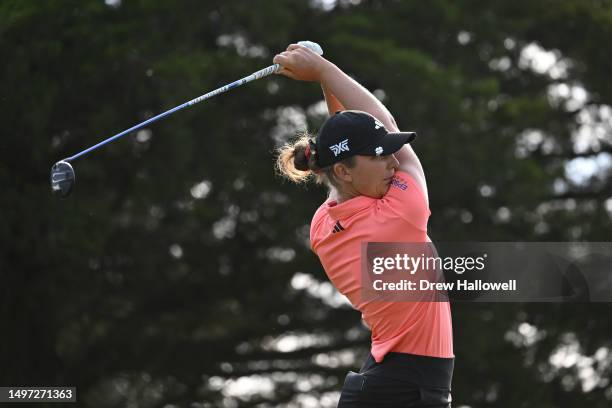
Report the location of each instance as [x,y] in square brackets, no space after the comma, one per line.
[352,95]
[333,104]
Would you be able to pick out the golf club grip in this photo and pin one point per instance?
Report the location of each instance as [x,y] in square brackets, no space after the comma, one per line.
[255,75]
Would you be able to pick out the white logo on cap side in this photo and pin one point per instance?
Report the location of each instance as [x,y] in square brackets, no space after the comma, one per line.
[377,124]
[340,147]
[378,150]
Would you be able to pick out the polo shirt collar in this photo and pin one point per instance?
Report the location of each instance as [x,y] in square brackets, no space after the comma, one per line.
[347,208]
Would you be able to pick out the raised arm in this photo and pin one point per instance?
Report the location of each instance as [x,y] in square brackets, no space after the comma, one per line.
[340,89]
[353,95]
[333,104]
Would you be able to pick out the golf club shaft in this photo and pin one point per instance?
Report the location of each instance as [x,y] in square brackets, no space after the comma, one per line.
[256,75]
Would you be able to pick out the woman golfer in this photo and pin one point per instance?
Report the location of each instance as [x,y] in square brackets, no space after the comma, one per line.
[377,193]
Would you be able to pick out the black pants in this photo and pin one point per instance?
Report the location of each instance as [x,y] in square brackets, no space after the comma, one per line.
[401,380]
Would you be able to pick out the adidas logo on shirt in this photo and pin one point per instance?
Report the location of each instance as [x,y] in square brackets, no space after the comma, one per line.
[337,227]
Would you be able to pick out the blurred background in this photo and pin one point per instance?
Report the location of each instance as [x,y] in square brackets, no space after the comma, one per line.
[179,274]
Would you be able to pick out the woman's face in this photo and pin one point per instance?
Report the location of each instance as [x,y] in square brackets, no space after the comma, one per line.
[371,176]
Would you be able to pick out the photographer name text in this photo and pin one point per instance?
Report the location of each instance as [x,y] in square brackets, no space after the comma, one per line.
[460,285]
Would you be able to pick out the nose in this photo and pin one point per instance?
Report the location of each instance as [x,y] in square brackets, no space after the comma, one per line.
[393,163]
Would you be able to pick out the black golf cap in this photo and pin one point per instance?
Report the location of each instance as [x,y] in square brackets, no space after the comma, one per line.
[350,133]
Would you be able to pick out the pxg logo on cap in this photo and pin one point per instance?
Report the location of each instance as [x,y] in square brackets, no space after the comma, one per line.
[340,147]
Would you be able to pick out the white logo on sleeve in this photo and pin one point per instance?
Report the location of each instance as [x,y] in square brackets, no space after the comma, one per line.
[378,150]
[377,124]
[340,147]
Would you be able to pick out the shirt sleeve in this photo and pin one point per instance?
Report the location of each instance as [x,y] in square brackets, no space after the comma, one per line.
[406,200]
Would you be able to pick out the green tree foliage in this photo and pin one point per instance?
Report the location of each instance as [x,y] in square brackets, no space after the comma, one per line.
[171,271]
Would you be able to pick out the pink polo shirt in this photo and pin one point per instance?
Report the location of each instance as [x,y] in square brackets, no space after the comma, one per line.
[336,234]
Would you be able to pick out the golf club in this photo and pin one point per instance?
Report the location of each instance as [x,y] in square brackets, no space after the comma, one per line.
[62,173]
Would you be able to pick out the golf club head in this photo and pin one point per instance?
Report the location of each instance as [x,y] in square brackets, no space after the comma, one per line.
[62,179]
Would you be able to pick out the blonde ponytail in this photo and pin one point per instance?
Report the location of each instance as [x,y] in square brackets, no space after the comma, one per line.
[292,163]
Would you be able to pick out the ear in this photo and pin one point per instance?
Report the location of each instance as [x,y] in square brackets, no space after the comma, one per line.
[343,173]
